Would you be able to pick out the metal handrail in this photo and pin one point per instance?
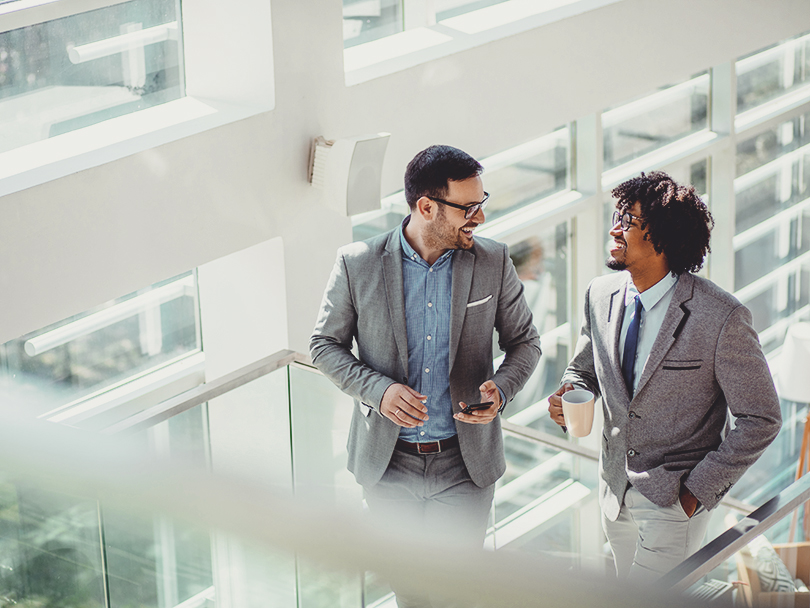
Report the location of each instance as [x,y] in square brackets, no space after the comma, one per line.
[200,394]
[695,567]
[205,392]
[679,579]
[536,436]
[209,390]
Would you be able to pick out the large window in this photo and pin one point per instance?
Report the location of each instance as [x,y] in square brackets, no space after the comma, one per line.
[542,264]
[79,70]
[772,238]
[526,174]
[69,551]
[654,121]
[773,72]
[94,351]
[367,20]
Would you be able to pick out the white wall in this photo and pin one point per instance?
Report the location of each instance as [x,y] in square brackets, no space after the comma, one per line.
[73,243]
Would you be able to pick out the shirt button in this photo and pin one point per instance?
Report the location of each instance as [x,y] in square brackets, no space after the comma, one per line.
[422,433]
[632,414]
[430,304]
[631,452]
[427,370]
[428,337]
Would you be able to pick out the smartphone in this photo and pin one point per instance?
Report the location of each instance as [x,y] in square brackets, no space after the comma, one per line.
[476,406]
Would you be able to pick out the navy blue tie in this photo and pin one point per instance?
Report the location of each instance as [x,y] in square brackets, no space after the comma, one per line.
[630,344]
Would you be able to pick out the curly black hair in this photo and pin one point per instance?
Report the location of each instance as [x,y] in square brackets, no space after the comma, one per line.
[429,171]
[678,222]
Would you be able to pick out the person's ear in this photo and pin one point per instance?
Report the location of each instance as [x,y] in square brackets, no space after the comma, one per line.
[426,208]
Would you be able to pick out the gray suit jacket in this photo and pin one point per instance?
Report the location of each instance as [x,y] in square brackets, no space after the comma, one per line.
[364,302]
[706,360]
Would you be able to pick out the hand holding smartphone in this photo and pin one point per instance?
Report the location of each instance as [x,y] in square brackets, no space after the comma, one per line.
[476,406]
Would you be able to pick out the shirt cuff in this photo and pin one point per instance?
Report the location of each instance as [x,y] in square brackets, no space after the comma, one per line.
[503,399]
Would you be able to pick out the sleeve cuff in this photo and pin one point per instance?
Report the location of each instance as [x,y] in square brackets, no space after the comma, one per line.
[503,400]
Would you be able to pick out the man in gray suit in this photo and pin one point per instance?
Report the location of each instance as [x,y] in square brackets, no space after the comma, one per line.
[421,302]
[670,353]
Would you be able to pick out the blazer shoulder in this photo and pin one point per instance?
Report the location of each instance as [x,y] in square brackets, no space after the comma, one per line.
[487,247]
[708,293]
[607,284]
[369,248]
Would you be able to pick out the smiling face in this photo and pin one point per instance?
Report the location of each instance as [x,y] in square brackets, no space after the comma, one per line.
[449,229]
[629,249]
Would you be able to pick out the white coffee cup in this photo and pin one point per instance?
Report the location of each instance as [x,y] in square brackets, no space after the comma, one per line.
[577,408]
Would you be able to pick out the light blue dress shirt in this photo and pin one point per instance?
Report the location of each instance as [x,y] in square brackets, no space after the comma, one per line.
[428,291]
[654,302]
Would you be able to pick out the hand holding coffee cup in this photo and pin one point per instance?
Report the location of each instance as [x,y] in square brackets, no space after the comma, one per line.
[577,408]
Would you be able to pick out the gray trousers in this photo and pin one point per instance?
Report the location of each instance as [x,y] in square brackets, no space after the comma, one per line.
[648,541]
[433,498]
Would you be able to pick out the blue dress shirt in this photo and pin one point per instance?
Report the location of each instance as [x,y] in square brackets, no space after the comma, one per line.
[428,292]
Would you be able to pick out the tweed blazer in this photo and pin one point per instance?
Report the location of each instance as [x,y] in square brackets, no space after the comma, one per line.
[705,362]
[364,302]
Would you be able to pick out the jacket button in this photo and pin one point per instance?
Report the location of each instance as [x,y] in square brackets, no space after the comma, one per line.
[632,414]
[631,452]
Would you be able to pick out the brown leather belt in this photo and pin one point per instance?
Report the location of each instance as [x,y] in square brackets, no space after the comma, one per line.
[429,447]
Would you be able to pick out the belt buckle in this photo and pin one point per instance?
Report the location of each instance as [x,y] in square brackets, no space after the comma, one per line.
[431,447]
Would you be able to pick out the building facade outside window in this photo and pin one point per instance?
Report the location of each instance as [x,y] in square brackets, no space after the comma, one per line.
[82,69]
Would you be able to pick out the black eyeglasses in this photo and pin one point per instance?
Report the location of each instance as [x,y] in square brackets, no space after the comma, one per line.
[625,218]
[469,210]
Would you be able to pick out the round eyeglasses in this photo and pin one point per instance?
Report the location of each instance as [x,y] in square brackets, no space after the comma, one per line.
[469,210]
[626,219]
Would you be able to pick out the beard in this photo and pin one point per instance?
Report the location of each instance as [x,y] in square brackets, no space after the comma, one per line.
[442,235]
[615,264]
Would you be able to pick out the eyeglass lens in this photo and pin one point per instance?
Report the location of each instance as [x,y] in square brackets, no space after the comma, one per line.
[473,209]
[624,219]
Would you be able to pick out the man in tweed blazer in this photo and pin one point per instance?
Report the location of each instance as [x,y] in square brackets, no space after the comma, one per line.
[421,303]
[668,456]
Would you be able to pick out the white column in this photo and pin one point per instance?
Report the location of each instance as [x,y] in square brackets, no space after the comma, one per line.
[722,173]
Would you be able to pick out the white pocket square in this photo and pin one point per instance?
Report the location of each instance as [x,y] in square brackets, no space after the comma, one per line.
[479,302]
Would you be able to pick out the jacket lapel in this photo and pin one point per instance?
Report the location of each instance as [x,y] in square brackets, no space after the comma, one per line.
[676,317]
[463,264]
[615,317]
[395,295]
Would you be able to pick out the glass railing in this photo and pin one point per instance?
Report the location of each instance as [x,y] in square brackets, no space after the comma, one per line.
[236,493]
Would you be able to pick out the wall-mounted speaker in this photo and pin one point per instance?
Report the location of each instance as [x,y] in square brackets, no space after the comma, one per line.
[349,171]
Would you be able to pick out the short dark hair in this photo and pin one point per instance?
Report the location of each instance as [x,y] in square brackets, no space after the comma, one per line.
[678,223]
[429,171]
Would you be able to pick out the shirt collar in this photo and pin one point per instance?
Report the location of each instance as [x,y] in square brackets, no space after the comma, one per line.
[410,253]
[653,295]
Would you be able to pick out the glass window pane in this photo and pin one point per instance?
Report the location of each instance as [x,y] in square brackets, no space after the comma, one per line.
[654,121]
[788,239]
[160,561]
[451,8]
[540,499]
[77,71]
[772,229]
[367,20]
[108,345]
[50,548]
[515,179]
[786,296]
[321,414]
[541,262]
[530,172]
[375,223]
[770,73]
